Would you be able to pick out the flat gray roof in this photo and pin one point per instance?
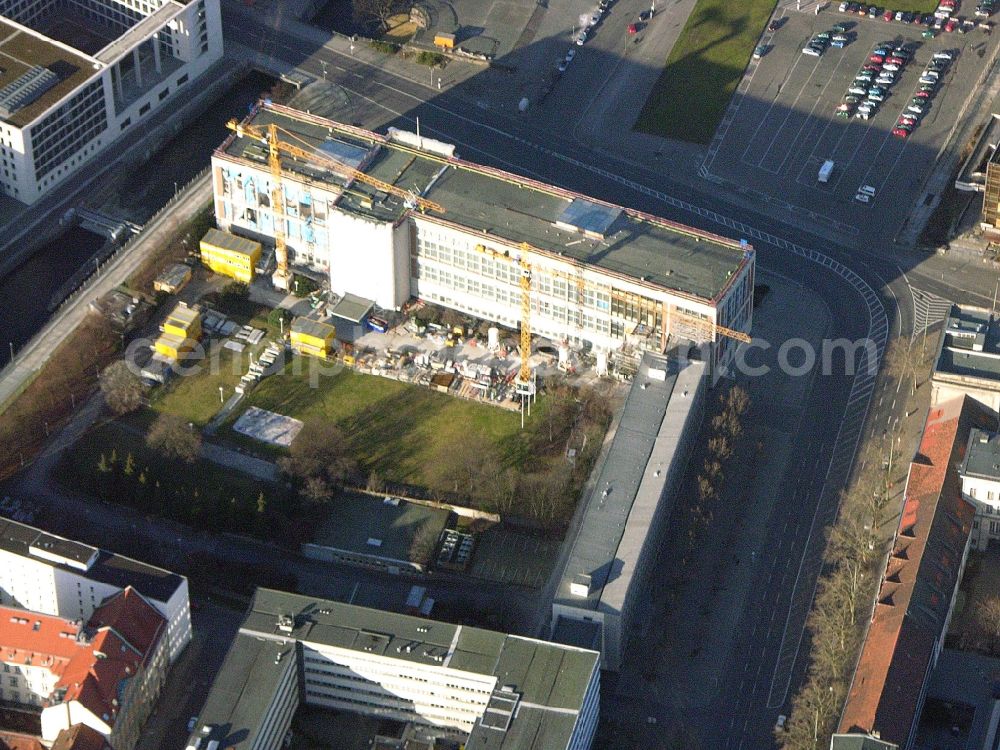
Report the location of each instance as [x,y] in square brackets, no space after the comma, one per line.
[509,207]
[22,49]
[629,487]
[970,344]
[551,679]
[315,328]
[114,570]
[982,455]
[244,687]
[357,521]
[352,307]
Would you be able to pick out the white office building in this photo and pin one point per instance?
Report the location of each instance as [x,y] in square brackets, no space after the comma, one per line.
[56,576]
[980,472]
[77,74]
[421,222]
[444,682]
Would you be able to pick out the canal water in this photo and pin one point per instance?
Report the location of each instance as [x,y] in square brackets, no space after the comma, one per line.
[26,291]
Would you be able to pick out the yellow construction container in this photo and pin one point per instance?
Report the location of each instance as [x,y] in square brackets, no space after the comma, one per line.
[172,346]
[172,279]
[312,337]
[444,41]
[230,255]
[183,322]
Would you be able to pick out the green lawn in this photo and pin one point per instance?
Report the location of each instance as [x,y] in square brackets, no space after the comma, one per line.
[202,494]
[195,395]
[396,429]
[704,68]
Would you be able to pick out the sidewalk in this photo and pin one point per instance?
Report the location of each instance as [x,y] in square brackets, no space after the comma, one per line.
[15,377]
[456,71]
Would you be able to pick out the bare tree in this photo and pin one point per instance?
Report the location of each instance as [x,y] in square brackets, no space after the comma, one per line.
[172,437]
[988,621]
[459,465]
[320,450]
[317,489]
[123,389]
[423,543]
[377,11]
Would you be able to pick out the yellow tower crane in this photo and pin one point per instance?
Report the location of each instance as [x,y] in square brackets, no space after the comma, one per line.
[269,137]
[524,374]
[703,324]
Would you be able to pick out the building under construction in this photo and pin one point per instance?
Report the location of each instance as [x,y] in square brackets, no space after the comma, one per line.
[399,216]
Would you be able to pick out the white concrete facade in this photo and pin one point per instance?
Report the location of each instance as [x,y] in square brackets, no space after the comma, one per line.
[451,265]
[163,47]
[406,691]
[54,588]
[984,494]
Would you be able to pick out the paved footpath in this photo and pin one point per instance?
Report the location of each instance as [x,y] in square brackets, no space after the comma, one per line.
[36,353]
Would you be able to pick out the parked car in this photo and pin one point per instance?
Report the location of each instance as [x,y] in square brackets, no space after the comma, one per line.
[876,59]
[900,133]
[759,51]
[859,90]
[887,16]
[916,108]
[928,33]
[951,25]
[843,7]
[776,24]
[944,55]
[812,51]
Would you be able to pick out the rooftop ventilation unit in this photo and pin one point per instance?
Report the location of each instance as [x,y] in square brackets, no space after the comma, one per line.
[25,89]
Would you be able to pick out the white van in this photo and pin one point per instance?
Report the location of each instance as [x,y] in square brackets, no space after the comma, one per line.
[825,171]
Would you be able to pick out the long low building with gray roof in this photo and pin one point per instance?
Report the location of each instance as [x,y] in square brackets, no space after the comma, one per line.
[449,684]
[599,601]
[415,220]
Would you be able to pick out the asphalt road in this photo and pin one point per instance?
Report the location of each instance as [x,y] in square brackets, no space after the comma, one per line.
[754,691]
[810,486]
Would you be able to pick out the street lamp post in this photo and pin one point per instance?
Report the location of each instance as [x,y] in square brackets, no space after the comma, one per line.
[323,63]
[222,398]
[11,351]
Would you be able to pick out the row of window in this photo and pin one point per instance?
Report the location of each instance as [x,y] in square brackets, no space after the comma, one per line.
[320,665]
[460,695]
[381,697]
[64,131]
[561,314]
[451,252]
[990,495]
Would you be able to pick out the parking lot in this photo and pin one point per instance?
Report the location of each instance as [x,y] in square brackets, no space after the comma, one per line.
[781,129]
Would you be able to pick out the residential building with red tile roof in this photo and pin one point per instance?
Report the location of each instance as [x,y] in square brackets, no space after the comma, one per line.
[46,573]
[81,737]
[105,675]
[918,589]
[19,741]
